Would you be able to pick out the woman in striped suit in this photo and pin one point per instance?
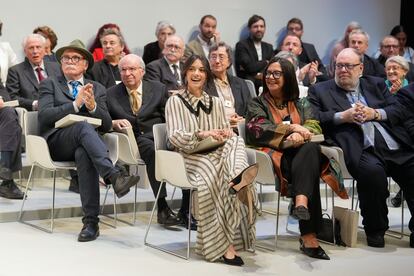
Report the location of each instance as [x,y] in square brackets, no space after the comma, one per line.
[221,175]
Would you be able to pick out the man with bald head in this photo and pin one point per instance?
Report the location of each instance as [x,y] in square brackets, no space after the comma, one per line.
[23,79]
[358,114]
[167,69]
[140,103]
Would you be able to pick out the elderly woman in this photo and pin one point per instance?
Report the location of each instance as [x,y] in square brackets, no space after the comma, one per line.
[277,116]
[192,115]
[153,50]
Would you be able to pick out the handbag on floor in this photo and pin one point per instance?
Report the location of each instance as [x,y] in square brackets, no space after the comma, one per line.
[326,232]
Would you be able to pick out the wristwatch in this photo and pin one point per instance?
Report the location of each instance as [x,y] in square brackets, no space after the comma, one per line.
[377,115]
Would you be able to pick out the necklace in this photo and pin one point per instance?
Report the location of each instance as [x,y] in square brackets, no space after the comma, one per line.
[281,106]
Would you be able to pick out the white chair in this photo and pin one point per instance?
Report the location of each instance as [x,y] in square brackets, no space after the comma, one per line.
[251,87]
[169,168]
[129,155]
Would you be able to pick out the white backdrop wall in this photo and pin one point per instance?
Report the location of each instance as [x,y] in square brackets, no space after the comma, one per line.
[324,20]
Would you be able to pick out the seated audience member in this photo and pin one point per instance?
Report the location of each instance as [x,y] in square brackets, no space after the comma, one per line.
[308,73]
[309,54]
[341,44]
[358,39]
[10,148]
[24,78]
[106,70]
[141,104]
[207,36]
[7,58]
[276,116]
[79,142]
[96,47]
[232,91]
[51,41]
[252,54]
[153,50]
[359,115]
[168,68]
[222,176]
[405,51]
[389,47]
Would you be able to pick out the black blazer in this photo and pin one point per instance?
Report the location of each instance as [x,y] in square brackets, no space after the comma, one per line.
[405,98]
[154,97]
[22,83]
[246,59]
[240,92]
[55,102]
[327,98]
[152,51]
[102,73]
[373,68]
[160,71]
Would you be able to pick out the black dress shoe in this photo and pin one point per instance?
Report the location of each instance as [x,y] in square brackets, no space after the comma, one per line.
[183,217]
[167,217]
[301,213]
[5,173]
[236,261]
[9,189]
[313,252]
[74,185]
[121,183]
[397,199]
[412,240]
[375,240]
[90,231]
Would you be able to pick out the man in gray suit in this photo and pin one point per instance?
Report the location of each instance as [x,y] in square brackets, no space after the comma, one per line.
[73,94]
[167,69]
[23,79]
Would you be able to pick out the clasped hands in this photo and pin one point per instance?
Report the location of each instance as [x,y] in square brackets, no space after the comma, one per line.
[298,135]
[86,97]
[218,134]
[310,69]
[358,114]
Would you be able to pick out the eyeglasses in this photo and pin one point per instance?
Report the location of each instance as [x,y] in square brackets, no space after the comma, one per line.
[219,57]
[74,59]
[347,66]
[130,69]
[390,46]
[275,74]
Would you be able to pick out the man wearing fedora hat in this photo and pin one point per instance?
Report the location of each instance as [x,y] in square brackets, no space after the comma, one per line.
[73,94]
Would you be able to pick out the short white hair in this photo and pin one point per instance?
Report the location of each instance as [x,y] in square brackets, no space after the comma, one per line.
[39,37]
[137,58]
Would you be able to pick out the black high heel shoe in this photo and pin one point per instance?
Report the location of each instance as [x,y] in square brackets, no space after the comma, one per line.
[313,252]
[236,261]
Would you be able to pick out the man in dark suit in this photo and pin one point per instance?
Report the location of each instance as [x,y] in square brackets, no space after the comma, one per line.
[361,116]
[73,94]
[140,104]
[23,79]
[167,69]
[252,54]
[233,91]
[10,149]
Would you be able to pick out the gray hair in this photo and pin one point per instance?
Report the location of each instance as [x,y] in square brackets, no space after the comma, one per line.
[137,58]
[388,37]
[215,47]
[400,61]
[39,37]
[162,25]
[360,31]
[289,56]
[112,31]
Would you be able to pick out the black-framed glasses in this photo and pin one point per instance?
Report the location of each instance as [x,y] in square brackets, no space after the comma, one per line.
[275,74]
[347,66]
[74,59]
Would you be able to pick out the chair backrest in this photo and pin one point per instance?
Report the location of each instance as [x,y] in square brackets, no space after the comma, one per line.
[337,154]
[31,125]
[160,136]
[241,127]
[251,87]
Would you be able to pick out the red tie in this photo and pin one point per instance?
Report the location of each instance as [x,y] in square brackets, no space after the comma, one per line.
[39,73]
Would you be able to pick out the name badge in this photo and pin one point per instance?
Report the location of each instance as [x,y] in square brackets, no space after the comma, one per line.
[227,103]
[286,122]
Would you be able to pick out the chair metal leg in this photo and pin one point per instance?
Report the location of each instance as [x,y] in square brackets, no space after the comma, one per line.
[399,234]
[149,226]
[103,207]
[326,198]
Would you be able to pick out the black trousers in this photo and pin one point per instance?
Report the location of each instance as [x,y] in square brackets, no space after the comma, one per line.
[302,167]
[81,143]
[372,185]
[10,140]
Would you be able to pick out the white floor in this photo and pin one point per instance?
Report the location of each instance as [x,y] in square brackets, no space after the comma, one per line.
[28,251]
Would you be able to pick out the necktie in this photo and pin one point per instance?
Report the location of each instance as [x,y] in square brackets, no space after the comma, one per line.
[136,101]
[75,90]
[39,73]
[175,69]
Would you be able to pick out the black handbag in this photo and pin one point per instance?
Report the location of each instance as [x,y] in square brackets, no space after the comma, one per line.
[326,232]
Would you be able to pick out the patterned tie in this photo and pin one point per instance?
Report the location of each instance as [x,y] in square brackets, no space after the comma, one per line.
[136,101]
[39,73]
[176,75]
[75,90]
